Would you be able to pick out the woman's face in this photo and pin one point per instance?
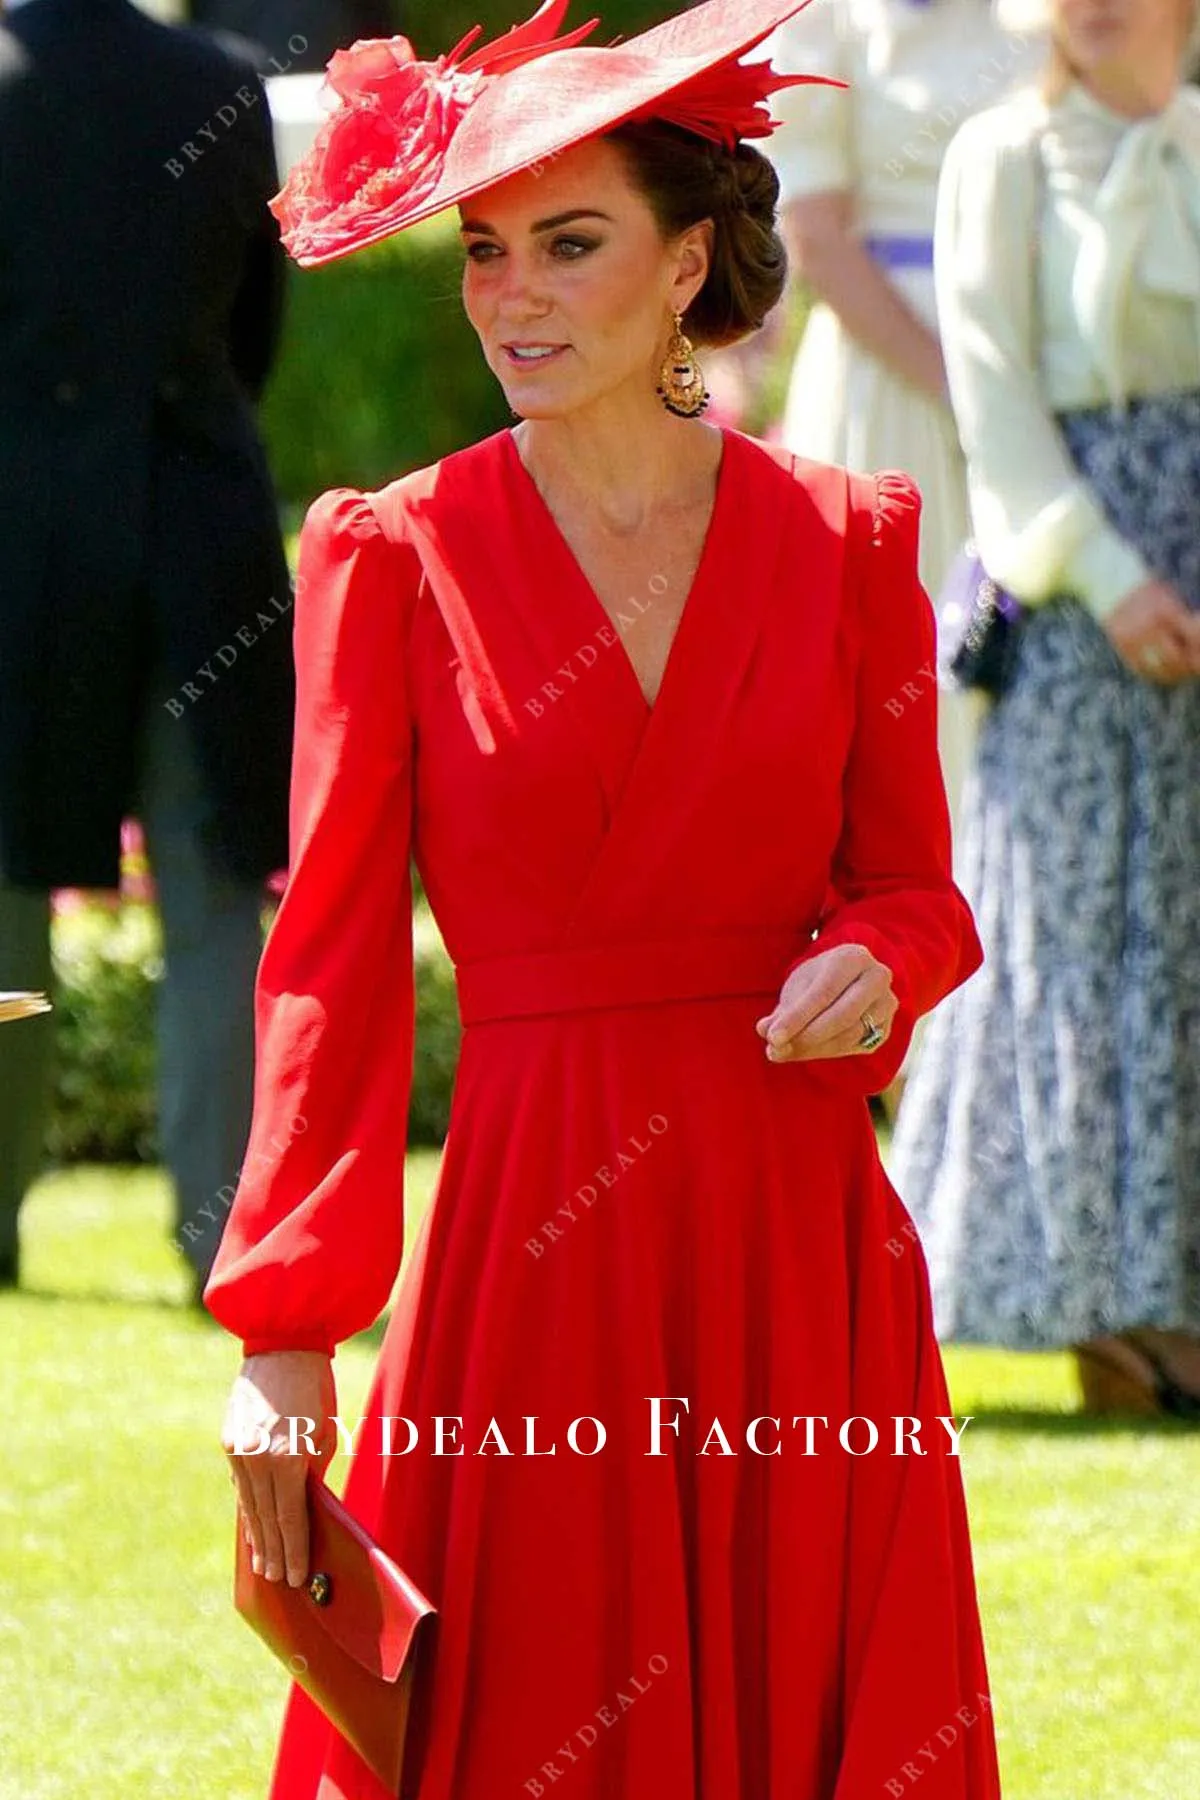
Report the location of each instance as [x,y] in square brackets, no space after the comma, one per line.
[569,283]
[1097,34]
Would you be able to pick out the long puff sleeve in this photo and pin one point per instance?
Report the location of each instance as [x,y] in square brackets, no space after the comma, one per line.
[1038,529]
[890,886]
[315,1232]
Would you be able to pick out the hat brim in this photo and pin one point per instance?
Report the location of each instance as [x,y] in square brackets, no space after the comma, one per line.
[529,115]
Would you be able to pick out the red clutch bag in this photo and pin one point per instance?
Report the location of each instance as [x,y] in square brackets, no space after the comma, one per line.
[348,1635]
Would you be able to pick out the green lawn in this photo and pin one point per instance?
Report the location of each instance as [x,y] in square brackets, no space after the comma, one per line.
[125,1674]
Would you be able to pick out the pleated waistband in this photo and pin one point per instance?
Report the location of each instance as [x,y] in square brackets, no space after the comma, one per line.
[642,973]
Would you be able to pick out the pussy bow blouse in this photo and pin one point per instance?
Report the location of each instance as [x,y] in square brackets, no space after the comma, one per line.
[1099,305]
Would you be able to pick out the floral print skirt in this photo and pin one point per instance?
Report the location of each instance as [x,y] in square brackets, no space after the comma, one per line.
[1048,1141]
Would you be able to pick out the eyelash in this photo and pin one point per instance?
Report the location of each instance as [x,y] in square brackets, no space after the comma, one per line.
[580,246]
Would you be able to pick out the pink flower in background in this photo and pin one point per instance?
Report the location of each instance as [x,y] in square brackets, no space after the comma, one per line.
[137,883]
[137,879]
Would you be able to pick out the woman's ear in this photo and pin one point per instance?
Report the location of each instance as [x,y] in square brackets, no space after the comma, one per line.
[694,251]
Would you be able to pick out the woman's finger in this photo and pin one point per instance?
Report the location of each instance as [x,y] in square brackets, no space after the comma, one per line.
[813,988]
[840,1033]
[262,1483]
[291,1511]
[1164,667]
[248,1508]
[1175,650]
[849,1042]
[812,1036]
[1185,641]
[1164,653]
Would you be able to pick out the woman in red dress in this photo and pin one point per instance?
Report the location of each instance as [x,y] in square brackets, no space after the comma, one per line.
[652,705]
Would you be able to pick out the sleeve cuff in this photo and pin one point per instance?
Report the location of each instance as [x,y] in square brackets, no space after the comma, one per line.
[1104,570]
[270,1346]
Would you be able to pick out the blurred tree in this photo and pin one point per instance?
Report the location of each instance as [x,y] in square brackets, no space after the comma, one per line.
[435,26]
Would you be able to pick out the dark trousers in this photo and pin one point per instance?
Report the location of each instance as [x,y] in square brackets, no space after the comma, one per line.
[205,1003]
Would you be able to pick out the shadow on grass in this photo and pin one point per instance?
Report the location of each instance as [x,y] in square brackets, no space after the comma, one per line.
[106,1297]
[1048,1422]
[177,1308]
[1075,1424]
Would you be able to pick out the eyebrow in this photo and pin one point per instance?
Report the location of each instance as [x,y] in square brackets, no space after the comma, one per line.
[563,218]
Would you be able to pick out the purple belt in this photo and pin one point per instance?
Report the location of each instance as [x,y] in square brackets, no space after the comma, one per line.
[892,251]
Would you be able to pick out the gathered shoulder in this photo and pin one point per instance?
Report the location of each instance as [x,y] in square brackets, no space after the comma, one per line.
[350,546]
[341,512]
[886,505]
[897,502]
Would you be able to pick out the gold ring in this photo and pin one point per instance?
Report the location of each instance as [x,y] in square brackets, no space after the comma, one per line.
[873,1034]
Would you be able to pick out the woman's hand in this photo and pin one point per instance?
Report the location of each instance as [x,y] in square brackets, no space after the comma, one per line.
[820,1006]
[270,1390]
[1155,634]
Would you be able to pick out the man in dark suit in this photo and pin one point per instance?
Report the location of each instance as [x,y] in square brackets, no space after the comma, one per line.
[145,606]
[298,36]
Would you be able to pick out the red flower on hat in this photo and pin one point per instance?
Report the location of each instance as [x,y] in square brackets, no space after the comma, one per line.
[384,146]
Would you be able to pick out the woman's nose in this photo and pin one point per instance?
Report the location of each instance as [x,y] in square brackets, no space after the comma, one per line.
[523,289]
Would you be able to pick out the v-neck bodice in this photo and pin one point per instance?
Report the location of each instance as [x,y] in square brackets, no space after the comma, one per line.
[574,576]
[539,684]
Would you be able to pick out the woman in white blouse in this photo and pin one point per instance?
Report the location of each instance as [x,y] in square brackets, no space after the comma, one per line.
[858,172]
[858,180]
[1049,1140]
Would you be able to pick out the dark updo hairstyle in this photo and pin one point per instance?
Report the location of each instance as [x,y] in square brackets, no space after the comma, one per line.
[687,178]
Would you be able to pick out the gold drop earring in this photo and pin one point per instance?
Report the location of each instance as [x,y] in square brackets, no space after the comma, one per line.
[681,379]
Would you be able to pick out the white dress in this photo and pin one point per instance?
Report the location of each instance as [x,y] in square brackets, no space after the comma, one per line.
[916,69]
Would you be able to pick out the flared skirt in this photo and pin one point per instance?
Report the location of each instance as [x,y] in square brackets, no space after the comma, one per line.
[759,1585]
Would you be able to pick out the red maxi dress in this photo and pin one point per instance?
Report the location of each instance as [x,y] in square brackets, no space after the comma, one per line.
[639,1220]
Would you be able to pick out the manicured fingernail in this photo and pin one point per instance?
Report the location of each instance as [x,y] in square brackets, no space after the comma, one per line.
[256,1564]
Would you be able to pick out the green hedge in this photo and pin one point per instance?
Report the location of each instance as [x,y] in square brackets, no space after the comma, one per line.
[379,371]
[108,966]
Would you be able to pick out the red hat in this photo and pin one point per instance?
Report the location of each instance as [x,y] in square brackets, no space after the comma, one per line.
[410,138]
